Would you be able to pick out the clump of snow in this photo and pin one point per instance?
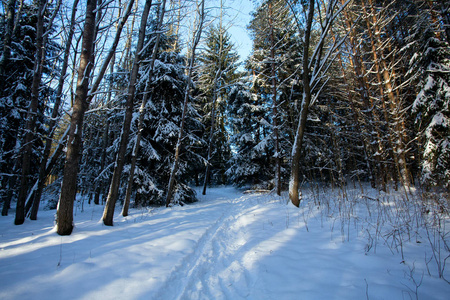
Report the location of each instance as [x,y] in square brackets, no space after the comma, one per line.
[232,245]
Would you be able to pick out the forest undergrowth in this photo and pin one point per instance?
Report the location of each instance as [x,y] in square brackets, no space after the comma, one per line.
[393,219]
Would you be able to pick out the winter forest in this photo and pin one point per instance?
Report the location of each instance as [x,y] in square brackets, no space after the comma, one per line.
[126,106]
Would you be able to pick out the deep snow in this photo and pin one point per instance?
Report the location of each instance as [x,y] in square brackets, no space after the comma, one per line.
[229,245]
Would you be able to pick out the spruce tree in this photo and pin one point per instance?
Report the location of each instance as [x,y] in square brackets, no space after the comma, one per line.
[430,71]
[274,63]
[218,64]
[165,86]
[248,165]
[15,94]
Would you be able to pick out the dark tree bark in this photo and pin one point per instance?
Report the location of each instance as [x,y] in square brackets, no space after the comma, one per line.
[83,97]
[113,193]
[53,121]
[12,180]
[141,113]
[31,116]
[105,142]
[64,221]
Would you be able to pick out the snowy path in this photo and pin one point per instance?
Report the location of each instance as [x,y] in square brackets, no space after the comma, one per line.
[229,245]
[191,274]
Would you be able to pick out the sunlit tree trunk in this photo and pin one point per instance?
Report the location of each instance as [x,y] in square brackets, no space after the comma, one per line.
[360,118]
[306,99]
[382,52]
[125,59]
[64,221]
[314,67]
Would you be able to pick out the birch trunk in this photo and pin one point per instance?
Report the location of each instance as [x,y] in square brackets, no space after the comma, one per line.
[314,68]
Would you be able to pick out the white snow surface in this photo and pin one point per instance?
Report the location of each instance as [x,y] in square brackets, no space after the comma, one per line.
[229,245]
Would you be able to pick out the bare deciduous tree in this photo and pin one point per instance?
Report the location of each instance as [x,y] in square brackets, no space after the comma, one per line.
[113,193]
[83,97]
[315,67]
[64,220]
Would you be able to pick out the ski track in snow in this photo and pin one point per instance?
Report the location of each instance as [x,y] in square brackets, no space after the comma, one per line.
[198,277]
[227,246]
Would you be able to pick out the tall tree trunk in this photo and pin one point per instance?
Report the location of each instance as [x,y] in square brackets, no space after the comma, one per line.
[64,221]
[113,193]
[125,59]
[385,74]
[314,67]
[177,26]
[141,112]
[306,99]
[359,117]
[82,98]
[53,121]
[380,155]
[31,115]
[196,40]
[101,183]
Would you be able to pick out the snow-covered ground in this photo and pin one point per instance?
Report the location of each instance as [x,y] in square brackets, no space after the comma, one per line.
[230,245]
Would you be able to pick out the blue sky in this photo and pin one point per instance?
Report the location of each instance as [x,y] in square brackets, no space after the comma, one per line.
[239,15]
